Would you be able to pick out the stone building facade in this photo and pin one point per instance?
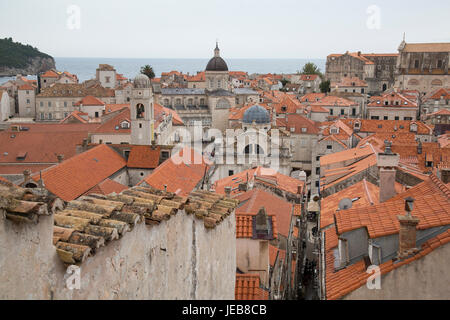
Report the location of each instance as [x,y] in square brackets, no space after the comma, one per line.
[378,70]
[423,66]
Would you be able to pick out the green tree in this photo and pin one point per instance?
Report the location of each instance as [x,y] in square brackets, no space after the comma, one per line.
[311,68]
[325,86]
[148,71]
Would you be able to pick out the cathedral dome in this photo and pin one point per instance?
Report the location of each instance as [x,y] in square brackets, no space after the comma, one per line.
[217,63]
[141,81]
[257,114]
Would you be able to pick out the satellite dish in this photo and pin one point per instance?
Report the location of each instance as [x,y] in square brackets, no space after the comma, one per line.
[345,204]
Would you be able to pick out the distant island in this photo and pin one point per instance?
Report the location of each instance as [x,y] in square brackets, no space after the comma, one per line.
[17,58]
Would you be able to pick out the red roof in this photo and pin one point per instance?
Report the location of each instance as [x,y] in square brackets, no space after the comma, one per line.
[26,87]
[308,77]
[43,142]
[113,126]
[90,101]
[253,200]
[74,177]
[264,176]
[432,207]
[248,288]
[107,187]
[179,177]
[159,110]
[244,226]
[144,157]
[50,74]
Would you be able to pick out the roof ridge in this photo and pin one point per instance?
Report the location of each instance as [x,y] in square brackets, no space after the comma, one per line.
[438,183]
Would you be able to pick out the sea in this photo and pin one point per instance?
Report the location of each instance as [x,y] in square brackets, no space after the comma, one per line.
[85,68]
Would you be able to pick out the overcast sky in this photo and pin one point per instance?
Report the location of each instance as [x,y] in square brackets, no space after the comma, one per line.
[245,28]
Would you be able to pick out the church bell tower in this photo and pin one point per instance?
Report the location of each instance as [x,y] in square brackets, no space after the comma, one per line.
[142,112]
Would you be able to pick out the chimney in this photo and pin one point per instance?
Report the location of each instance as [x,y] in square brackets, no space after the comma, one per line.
[387,163]
[407,234]
[228,191]
[262,224]
[60,158]
[26,175]
[299,189]
[419,147]
[165,188]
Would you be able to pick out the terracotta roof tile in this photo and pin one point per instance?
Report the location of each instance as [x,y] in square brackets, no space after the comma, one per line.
[74,177]
[144,157]
[180,177]
[248,288]
[244,226]
[253,200]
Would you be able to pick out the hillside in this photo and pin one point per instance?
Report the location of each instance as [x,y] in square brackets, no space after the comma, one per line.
[17,58]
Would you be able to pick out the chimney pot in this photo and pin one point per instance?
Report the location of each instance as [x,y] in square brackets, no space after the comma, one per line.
[60,158]
[407,234]
[387,163]
[228,191]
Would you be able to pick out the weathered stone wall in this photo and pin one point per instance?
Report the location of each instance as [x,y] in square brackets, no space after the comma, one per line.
[421,279]
[177,259]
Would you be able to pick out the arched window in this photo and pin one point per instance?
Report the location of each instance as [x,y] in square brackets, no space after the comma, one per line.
[413,82]
[140,109]
[253,149]
[178,102]
[384,87]
[223,104]
[219,83]
[166,102]
[202,101]
[436,82]
[190,102]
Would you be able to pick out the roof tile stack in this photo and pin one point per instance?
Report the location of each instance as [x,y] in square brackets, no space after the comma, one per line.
[83,226]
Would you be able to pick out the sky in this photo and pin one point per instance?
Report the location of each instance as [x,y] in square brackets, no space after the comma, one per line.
[258,29]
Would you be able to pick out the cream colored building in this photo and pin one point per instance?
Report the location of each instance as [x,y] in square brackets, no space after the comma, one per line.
[57,102]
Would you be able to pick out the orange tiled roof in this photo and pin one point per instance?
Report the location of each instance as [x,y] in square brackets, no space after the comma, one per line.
[107,187]
[308,77]
[75,176]
[342,282]
[144,157]
[280,181]
[350,82]
[393,99]
[332,101]
[180,178]
[90,101]
[299,123]
[77,115]
[432,209]
[391,126]
[248,288]
[112,126]
[42,142]
[253,200]
[50,74]
[159,110]
[244,226]
[26,87]
[367,193]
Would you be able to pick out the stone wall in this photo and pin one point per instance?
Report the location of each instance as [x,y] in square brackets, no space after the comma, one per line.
[177,259]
